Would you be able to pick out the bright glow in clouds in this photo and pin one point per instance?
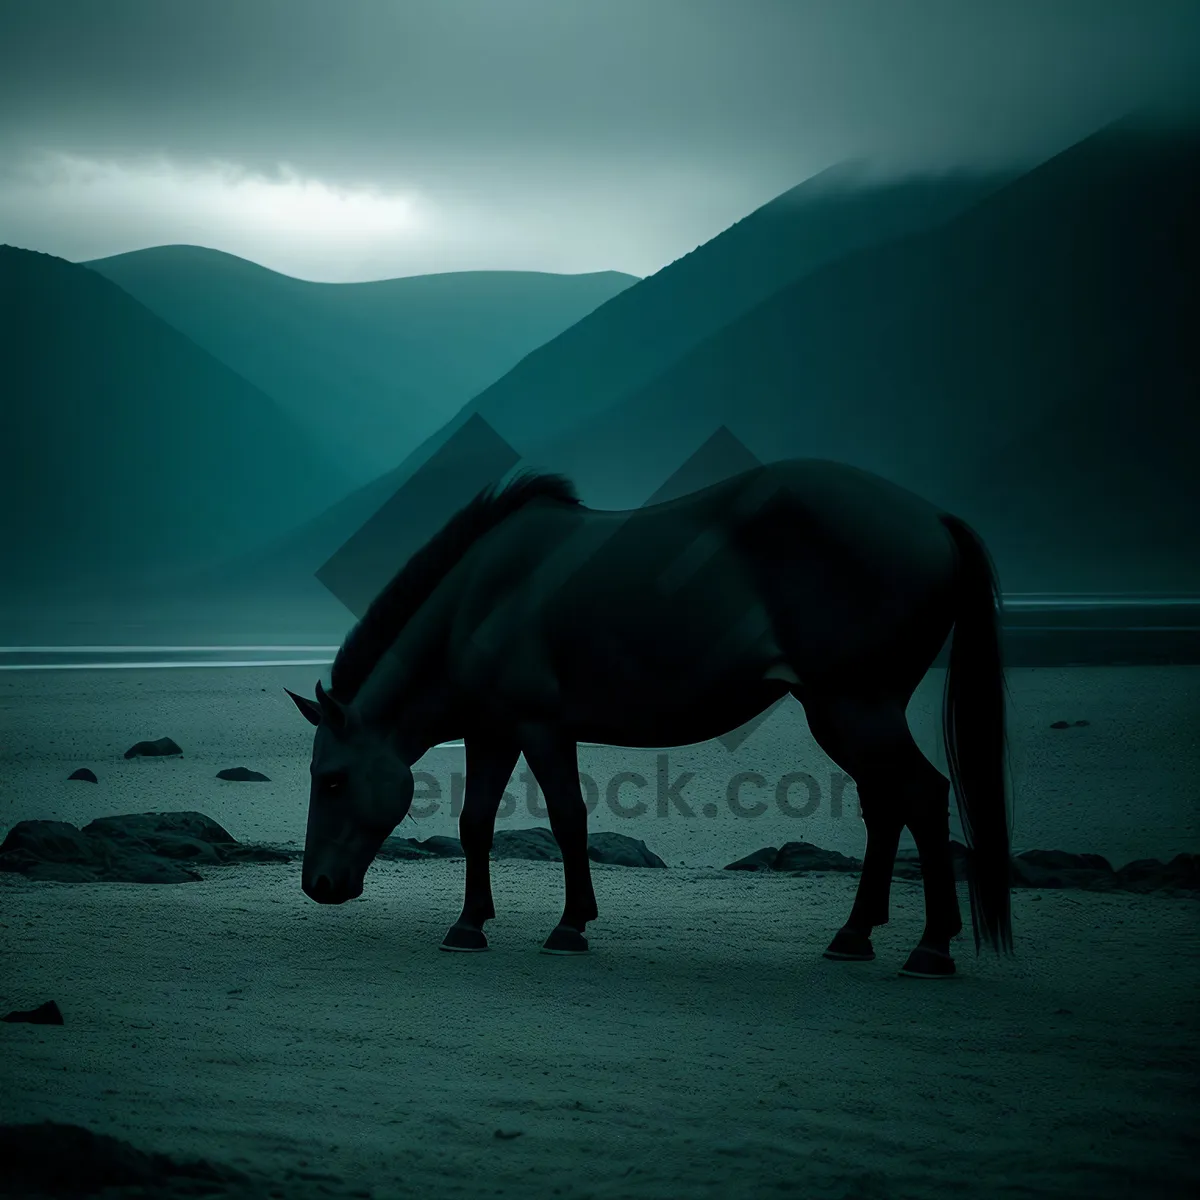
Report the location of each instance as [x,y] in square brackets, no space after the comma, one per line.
[283,220]
[489,217]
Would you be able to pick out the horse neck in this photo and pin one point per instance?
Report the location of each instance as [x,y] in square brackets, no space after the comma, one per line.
[404,696]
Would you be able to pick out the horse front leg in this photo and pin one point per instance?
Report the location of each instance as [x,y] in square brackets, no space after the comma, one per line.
[553,759]
[489,768]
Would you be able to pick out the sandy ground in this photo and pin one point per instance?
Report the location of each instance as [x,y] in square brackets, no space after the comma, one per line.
[703,1049]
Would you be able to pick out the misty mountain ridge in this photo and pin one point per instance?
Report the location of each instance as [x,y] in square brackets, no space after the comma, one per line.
[639,333]
[371,368]
[127,447]
[1004,364]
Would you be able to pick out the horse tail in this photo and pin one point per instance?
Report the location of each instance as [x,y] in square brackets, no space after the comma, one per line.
[973,725]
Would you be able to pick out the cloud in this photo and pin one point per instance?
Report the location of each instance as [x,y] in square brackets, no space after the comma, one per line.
[545,134]
[81,207]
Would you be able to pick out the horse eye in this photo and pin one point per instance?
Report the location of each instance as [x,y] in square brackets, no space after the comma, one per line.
[333,783]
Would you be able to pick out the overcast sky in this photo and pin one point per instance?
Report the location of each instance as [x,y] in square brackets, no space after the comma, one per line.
[346,139]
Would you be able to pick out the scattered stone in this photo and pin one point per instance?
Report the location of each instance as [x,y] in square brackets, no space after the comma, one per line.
[45,1014]
[84,773]
[619,850]
[506,1135]
[162,748]
[54,1159]
[1060,724]
[242,775]
[136,848]
[760,860]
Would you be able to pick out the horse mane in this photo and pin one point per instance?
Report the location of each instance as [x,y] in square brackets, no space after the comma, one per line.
[413,584]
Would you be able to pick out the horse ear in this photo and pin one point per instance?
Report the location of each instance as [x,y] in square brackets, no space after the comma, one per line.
[310,710]
[336,717]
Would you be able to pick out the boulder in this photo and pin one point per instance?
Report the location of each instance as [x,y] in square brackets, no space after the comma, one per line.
[760,860]
[162,748]
[798,858]
[45,1014]
[802,857]
[242,775]
[53,1159]
[618,850]
[1060,868]
[1181,874]
[85,774]
[136,848]
[534,843]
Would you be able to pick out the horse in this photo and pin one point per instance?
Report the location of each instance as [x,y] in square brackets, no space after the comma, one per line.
[530,623]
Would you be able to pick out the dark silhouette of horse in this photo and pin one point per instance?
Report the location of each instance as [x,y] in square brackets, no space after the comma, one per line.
[530,623]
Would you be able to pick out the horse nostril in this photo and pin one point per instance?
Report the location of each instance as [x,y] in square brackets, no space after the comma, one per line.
[321,890]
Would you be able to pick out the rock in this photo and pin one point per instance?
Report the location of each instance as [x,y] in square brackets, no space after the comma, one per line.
[1059,868]
[242,775]
[1182,874]
[800,857]
[1060,724]
[53,1159]
[760,860]
[84,773]
[621,851]
[444,847]
[163,747]
[137,848]
[45,1014]
[536,843]
[151,826]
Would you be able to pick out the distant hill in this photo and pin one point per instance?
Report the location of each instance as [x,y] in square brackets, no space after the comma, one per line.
[1032,364]
[641,332]
[371,369]
[126,447]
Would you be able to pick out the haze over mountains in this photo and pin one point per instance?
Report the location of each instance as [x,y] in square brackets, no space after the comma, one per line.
[370,369]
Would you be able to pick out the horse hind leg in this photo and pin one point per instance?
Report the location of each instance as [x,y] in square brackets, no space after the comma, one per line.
[897,786]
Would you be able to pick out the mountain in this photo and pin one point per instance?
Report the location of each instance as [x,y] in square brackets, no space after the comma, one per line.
[641,332]
[1030,364]
[371,369]
[626,340]
[127,447]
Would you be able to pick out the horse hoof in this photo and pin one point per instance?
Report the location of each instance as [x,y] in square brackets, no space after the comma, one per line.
[926,963]
[464,938]
[565,940]
[849,946]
